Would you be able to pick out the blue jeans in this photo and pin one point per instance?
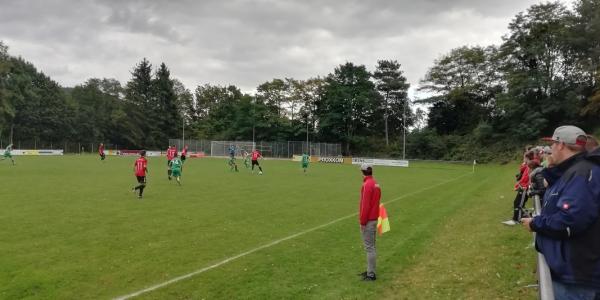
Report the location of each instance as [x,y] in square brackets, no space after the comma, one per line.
[574,292]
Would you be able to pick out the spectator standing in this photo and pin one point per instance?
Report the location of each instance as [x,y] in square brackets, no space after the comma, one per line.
[521,188]
[568,227]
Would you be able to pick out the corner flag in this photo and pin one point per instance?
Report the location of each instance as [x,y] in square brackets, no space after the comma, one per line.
[383,224]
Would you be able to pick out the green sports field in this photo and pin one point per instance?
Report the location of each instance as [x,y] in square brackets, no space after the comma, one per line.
[70,228]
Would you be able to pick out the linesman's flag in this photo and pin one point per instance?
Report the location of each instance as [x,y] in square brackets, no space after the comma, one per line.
[383,224]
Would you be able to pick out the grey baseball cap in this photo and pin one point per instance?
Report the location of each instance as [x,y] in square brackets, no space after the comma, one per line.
[568,134]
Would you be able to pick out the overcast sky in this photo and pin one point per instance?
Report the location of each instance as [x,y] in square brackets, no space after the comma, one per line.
[241,42]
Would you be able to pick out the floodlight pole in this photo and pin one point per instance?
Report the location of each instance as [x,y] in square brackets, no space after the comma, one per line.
[253,123]
[404,130]
[183,131]
[307,146]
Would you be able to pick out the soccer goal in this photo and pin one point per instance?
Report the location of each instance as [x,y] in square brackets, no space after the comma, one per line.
[221,148]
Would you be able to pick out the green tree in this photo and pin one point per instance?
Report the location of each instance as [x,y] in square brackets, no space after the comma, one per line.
[585,46]
[309,93]
[41,110]
[464,85]
[101,114]
[185,104]
[350,106]
[140,94]
[216,111]
[275,95]
[7,110]
[393,86]
[540,75]
[167,111]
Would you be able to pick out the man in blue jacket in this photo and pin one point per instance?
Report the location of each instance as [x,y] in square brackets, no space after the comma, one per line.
[568,228]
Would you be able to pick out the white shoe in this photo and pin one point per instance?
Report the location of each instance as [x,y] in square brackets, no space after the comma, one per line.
[260,173]
[510,223]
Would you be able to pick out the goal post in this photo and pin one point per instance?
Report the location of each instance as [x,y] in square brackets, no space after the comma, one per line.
[221,148]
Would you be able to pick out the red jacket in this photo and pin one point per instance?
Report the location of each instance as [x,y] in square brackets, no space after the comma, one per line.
[524,181]
[370,194]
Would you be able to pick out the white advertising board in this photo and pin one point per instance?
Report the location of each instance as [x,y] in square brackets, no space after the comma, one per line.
[332,160]
[380,162]
[37,152]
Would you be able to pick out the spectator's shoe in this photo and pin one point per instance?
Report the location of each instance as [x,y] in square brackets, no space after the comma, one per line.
[510,222]
[369,277]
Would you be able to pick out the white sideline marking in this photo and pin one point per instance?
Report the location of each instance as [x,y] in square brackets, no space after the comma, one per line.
[182,277]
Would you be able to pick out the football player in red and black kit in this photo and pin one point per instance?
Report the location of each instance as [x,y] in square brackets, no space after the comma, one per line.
[140,167]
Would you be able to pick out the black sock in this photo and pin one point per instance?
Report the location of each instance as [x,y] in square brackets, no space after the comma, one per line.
[260,168]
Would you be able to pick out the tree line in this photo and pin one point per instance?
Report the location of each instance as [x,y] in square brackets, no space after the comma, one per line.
[484,101]
[545,73]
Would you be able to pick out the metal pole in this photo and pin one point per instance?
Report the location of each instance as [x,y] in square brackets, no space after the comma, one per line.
[307,146]
[253,123]
[545,280]
[404,131]
[183,131]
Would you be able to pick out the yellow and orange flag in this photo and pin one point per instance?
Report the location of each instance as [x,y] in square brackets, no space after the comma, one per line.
[383,224]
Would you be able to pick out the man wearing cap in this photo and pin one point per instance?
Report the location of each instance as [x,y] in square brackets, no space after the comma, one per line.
[370,194]
[568,228]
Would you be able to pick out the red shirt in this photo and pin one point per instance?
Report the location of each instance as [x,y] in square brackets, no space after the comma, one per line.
[140,166]
[101,149]
[184,151]
[171,152]
[255,155]
[524,181]
[370,194]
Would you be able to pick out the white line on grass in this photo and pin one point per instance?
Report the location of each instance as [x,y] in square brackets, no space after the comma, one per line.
[186,276]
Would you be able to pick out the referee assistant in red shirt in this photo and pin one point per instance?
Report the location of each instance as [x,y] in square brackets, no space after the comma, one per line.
[370,195]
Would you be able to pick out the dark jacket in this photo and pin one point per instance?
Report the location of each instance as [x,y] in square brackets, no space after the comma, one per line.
[536,187]
[569,225]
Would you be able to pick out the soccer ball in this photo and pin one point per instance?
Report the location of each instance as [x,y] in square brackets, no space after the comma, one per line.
[260,173]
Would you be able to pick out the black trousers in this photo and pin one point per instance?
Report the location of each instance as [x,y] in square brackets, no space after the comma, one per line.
[519,204]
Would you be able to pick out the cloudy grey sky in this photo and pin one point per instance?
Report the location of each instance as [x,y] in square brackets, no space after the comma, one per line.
[244,42]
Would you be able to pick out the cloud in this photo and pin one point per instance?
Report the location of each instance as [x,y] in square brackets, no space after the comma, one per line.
[244,42]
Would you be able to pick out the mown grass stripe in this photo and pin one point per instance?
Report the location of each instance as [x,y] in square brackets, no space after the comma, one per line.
[227,260]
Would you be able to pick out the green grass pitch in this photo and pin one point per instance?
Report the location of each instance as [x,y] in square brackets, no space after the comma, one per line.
[70,228]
